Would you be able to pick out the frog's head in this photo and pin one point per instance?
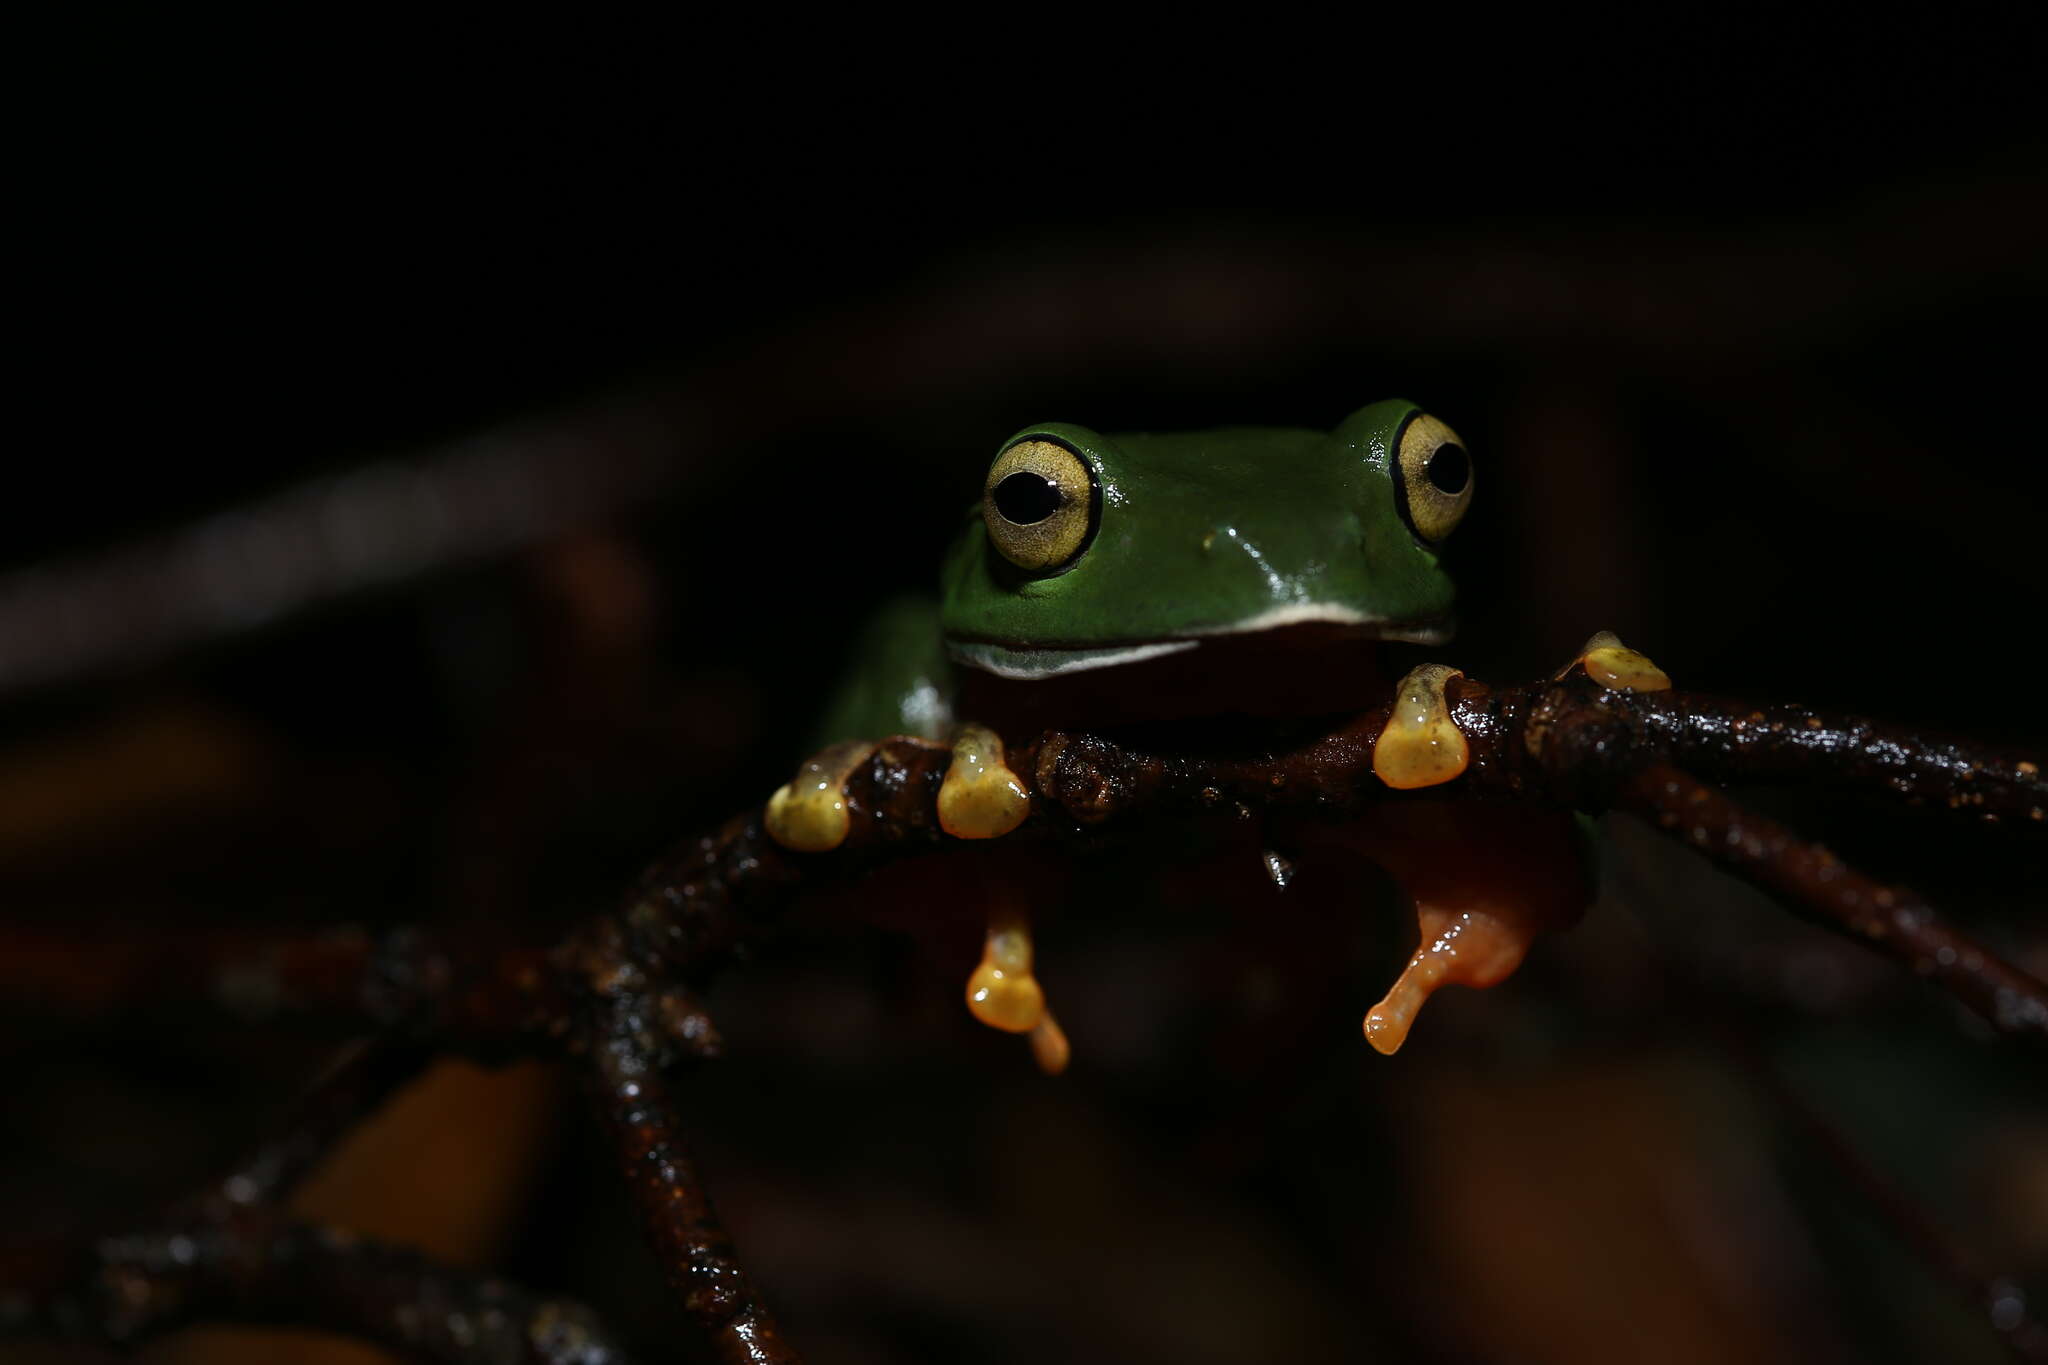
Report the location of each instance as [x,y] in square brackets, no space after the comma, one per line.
[1091,550]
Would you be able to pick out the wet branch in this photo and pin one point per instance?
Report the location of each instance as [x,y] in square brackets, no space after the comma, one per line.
[1720,738]
[636,1033]
[1568,742]
[356,1085]
[1893,920]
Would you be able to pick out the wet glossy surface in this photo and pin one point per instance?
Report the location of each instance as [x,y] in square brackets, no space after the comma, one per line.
[981,798]
[1615,666]
[808,813]
[1420,746]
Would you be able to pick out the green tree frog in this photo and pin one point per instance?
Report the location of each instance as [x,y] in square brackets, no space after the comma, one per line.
[1089,553]
[1244,578]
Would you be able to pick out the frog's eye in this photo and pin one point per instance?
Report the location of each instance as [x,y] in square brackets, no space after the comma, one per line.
[1039,504]
[1434,476]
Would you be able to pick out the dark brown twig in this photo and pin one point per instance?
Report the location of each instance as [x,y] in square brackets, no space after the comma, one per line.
[354,1086]
[1729,740]
[634,1033]
[1890,919]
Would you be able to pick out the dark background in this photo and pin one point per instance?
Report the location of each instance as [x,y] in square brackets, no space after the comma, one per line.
[1746,333]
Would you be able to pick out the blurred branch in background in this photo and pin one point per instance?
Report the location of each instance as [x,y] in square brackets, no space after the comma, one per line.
[1711,309]
[380,525]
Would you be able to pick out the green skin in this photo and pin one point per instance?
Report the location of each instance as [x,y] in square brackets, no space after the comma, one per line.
[1201,534]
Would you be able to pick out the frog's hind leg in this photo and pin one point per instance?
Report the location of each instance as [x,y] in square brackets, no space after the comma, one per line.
[1003,991]
[1467,946]
[1485,882]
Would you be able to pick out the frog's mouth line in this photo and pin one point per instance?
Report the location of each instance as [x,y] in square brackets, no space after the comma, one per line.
[1025,664]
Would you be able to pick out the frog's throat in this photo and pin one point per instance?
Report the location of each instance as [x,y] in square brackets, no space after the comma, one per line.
[1027,662]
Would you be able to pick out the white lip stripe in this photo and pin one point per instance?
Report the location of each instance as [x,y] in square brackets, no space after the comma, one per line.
[1047,663]
[1006,662]
[1294,614]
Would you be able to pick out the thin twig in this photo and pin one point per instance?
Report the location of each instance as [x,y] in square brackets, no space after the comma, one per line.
[355,1085]
[1890,919]
[1731,740]
[633,1034]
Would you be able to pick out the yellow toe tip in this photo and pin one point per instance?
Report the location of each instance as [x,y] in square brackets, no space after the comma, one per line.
[1384,1034]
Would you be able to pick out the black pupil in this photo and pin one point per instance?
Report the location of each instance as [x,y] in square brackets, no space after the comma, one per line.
[1024,498]
[1450,469]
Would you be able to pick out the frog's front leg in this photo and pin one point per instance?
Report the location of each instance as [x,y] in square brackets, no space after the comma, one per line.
[1420,745]
[1002,992]
[1485,880]
[980,797]
[1616,667]
[808,814]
